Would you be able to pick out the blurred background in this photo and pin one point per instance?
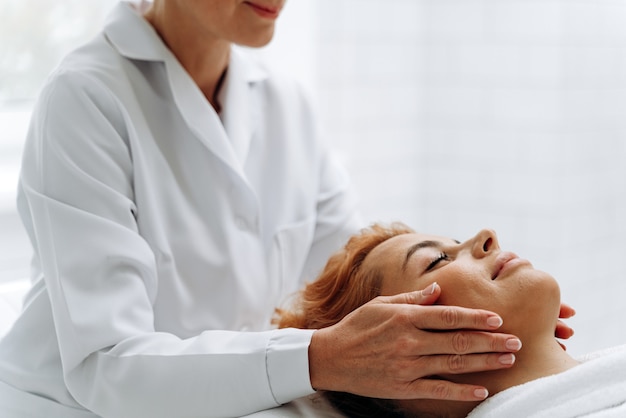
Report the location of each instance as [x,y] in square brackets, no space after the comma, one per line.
[451,115]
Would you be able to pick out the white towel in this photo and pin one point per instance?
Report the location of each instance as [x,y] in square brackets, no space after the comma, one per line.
[594,389]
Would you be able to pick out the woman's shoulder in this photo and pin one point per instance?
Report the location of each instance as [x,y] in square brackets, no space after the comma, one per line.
[85,86]
[91,72]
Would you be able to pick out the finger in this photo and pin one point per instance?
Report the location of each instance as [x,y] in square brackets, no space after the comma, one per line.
[566,311]
[426,296]
[454,317]
[465,342]
[445,390]
[461,364]
[563,331]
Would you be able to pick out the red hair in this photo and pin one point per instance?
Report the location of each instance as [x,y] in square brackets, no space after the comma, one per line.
[342,286]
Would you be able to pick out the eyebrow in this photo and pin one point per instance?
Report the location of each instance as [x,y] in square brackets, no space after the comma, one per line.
[418,246]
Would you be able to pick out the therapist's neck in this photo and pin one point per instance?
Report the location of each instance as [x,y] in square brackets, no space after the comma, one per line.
[205,58]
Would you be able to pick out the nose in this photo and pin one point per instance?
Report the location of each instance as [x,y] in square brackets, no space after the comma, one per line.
[484,243]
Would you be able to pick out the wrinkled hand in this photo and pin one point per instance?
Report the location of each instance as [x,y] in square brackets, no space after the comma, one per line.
[562,330]
[390,346]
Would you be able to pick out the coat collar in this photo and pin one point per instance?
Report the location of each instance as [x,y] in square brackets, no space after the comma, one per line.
[134,38]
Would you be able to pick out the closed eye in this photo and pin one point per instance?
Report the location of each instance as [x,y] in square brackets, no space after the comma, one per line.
[433,264]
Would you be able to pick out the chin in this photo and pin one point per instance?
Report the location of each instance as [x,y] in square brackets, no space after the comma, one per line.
[537,307]
[256,40]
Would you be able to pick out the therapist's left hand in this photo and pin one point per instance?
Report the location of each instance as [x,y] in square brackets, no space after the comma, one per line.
[562,330]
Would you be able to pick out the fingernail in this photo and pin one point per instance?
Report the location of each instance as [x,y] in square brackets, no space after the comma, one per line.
[494,321]
[481,393]
[507,359]
[430,289]
[513,344]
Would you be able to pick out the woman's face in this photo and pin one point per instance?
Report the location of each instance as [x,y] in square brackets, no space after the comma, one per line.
[244,22]
[474,274]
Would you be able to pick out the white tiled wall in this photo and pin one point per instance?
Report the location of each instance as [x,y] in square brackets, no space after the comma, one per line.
[455,115]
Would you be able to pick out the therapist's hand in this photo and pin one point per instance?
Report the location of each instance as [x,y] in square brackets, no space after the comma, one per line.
[390,346]
[562,330]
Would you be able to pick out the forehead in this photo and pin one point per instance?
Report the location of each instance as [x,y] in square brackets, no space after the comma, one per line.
[407,240]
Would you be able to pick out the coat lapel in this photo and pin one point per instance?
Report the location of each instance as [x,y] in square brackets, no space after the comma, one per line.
[200,116]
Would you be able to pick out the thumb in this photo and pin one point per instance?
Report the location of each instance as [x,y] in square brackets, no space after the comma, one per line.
[426,296]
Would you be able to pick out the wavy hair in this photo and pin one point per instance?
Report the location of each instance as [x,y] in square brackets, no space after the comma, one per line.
[342,287]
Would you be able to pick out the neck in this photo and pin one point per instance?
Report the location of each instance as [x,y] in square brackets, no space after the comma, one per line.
[204,57]
[536,359]
[539,357]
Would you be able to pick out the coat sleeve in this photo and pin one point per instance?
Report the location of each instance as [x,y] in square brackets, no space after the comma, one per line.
[77,205]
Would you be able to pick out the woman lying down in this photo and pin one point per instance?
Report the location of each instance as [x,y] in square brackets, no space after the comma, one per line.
[544,381]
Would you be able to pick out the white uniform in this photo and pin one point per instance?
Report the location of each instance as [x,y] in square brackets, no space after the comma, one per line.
[161,232]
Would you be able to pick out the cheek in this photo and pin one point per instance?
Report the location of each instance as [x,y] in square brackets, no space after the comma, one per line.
[466,287]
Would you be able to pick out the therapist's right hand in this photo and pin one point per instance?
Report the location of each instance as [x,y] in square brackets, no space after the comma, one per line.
[389,348]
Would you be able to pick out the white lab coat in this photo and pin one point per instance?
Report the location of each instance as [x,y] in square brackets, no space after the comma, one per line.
[161,232]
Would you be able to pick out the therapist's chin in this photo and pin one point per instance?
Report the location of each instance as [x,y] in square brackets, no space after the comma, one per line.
[257,40]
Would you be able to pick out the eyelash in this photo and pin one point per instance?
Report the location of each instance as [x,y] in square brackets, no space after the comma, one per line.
[440,257]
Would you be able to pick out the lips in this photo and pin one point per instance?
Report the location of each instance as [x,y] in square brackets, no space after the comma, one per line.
[263,10]
[501,261]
